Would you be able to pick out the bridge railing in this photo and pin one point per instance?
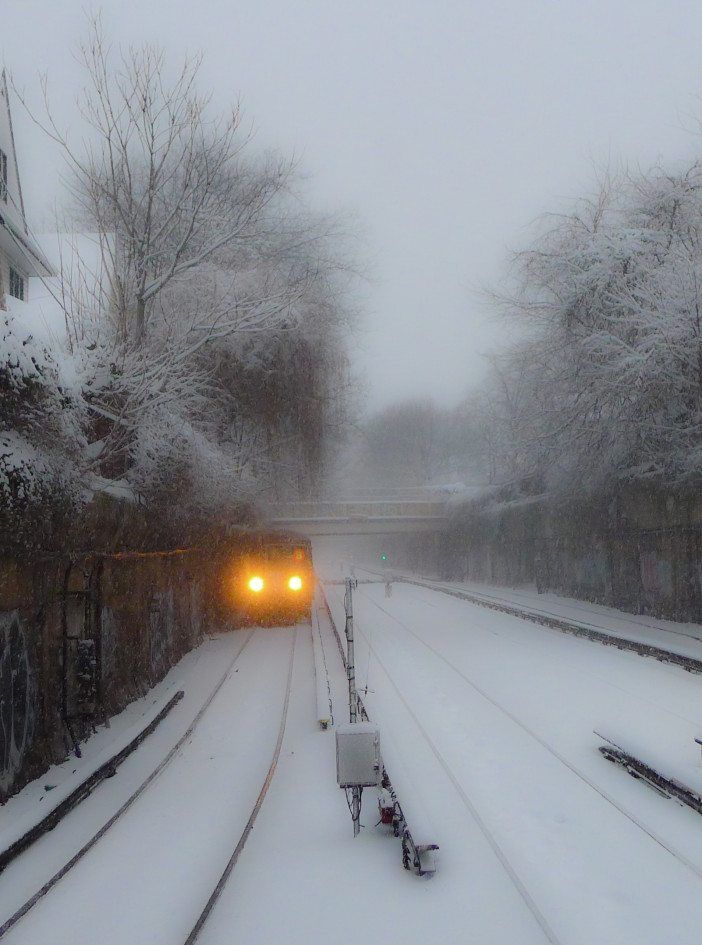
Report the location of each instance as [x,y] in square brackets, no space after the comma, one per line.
[378,508]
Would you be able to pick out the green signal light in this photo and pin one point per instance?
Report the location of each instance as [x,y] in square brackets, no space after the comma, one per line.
[383,557]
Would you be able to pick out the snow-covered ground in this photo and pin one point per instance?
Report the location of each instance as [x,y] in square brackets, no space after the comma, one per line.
[507,711]
[683,638]
[492,717]
[151,874]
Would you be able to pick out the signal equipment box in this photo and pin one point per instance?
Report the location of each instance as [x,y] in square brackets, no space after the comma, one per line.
[358,761]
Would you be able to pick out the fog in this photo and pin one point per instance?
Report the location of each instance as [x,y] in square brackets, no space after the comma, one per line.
[446,128]
[368,350]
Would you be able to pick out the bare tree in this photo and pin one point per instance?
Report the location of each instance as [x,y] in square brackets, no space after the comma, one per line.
[210,275]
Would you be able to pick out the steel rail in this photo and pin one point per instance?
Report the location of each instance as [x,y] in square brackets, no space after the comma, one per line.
[10,922]
[489,836]
[641,770]
[594,632]
[544,744]
[106,770]
[569,661]
[234,859]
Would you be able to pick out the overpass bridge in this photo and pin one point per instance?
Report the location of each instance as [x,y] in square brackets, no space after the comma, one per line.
[414,511]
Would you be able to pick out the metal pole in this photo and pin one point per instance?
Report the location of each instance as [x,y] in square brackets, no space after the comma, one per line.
[353,696]
[350,668]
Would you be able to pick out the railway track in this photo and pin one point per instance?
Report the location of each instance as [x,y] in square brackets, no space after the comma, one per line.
[51,883]
[514,877]
[574,666]
[583,608]
[587,630]
[234,858]
[660,841]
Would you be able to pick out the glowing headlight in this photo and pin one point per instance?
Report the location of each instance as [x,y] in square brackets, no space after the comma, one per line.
[256,584]
[295,583]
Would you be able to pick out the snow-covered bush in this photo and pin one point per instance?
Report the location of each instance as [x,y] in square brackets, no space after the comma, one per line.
[41,437]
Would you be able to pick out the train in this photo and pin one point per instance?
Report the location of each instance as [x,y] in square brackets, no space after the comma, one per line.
[273,580]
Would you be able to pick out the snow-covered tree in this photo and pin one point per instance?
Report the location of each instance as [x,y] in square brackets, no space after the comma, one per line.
[607,385]
[210,349]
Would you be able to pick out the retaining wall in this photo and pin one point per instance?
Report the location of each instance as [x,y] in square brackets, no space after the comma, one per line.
[639,550]
[80,638]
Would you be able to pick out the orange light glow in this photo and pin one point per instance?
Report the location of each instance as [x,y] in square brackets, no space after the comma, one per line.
[256,584]
[295,583]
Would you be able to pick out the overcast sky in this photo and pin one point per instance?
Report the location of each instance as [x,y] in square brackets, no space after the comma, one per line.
[448,127]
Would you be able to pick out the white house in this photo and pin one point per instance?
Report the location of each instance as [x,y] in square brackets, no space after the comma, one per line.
[20,256]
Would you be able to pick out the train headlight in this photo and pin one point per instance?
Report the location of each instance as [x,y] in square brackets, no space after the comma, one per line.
[256,584]
[295,583]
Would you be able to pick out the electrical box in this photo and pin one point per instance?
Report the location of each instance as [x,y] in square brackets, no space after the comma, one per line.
[358,755]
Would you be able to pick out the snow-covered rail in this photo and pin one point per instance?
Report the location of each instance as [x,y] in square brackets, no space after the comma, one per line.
[642,770]
[519,723]
[84,789]
[520,886]
[322,687]
[233,860]
[553,622]
[22,911]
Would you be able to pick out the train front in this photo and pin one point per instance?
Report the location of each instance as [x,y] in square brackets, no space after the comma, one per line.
[275,584]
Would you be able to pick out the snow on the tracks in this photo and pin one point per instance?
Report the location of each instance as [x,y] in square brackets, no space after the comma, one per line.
[682,638]
[493,719]
[303,878]
[605,858]
[149,877]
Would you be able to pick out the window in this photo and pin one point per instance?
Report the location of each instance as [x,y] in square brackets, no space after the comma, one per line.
[3,176]
[16,285]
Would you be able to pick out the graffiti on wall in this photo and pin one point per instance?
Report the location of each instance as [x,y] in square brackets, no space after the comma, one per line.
[196,613]
[18,699]
[591,570]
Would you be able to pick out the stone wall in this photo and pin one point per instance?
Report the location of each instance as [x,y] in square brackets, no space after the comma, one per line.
[80,638]
[639,550]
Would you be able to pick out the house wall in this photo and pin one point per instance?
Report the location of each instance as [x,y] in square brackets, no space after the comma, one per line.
[11,206]
[5,278]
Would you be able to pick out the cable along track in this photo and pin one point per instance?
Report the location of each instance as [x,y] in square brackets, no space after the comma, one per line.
[10,922]
[532,734]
